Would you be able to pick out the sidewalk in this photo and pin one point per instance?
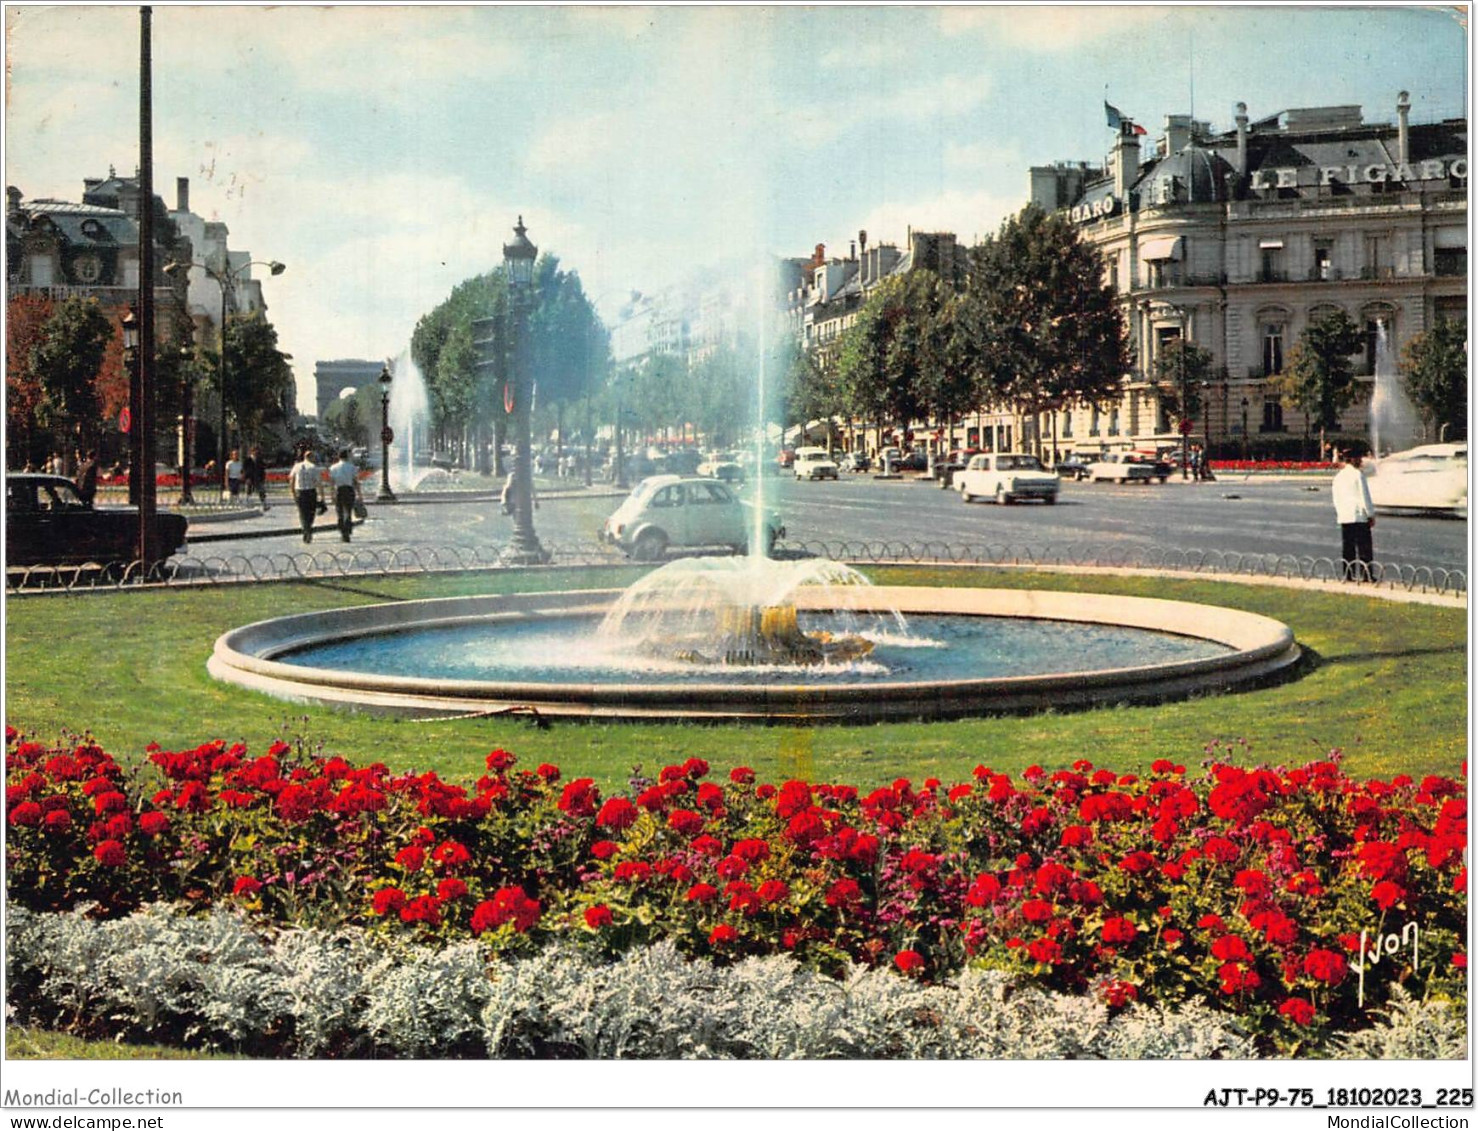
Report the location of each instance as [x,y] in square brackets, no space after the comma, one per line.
[280,519]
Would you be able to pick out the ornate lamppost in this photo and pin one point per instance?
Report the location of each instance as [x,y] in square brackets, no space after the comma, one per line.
[187,423]
[1244,428]
[518,266]
[130,324]
[386,436]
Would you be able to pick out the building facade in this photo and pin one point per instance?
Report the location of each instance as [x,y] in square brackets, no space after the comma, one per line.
[1239,240]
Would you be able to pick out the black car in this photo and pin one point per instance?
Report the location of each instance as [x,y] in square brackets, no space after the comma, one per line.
[1073,467]
[47,523]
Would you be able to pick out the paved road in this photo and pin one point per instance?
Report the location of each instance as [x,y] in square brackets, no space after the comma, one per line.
[1267,516]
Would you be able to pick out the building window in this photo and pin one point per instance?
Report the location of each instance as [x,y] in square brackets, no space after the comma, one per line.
[1272,413]
[1272,265]
[1113,429]
[1067,424]
[1323,257]
[1093,421]
[1450,261]
[1272,349]
[1377,264]
[1113,272]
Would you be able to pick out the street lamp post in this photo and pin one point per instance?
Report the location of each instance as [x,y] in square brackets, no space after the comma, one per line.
[1244,428]
[226,279]
[386,435]
[518,265]
[187,420]
[621,483]
[130,324]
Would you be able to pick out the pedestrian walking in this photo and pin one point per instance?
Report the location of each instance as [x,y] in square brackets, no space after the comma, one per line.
[1356,516]
[233,474]
[344,475]
[303,480]
[254,475]
[87,478]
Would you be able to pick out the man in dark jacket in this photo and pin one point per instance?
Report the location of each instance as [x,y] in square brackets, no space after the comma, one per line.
[87,478]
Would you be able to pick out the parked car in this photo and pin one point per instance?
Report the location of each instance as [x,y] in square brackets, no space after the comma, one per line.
[854,461]
[724,466]
[946,465]
[814,463]
[1127,467]
[1073,467]
[1006,477]
[668,511]
[682,461]
[47,523]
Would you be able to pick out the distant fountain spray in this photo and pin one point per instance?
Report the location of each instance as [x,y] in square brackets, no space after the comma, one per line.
[1393,420]
[410,419]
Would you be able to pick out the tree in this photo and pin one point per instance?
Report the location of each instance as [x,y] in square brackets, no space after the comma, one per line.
[26,317]
[66,359]
[1319,378]
[881,355]
[1435,365]
[1038,328]
[260,391]
[1180,370]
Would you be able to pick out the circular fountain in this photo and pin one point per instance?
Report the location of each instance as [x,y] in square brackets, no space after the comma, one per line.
[740,640]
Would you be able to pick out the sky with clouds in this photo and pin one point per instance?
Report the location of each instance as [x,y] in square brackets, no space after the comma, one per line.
[384,152]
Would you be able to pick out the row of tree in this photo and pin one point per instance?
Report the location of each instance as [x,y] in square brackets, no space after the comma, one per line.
[1031,327]
[1034,329]
[67,384]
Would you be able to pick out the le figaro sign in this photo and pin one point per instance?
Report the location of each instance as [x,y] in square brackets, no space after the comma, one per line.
[1375,174]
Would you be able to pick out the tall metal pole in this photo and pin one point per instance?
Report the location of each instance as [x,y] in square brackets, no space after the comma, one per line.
[386,495]
[144,412]
[1185,432]
[526,546]
[221,436]
[187,415]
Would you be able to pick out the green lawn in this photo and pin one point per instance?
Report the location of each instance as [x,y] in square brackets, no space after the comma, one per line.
[22,1042]
[1386,682]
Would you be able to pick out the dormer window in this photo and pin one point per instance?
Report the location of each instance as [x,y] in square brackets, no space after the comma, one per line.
[93,229]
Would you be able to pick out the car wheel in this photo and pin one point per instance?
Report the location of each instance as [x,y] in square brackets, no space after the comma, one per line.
[1050,500]
[965,495]
[649,546]
[1002,499]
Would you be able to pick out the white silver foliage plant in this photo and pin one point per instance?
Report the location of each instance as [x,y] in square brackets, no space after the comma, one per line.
[218,981]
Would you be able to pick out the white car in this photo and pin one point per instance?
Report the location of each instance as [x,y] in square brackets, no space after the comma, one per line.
[1006,477]
[814,463]
[1126,467]
[1433,477]
[672,511]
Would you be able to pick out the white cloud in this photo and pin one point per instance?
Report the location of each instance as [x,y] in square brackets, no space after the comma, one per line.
[969,214]
[1051,28]
[945,97]
[576,144]
[859,55]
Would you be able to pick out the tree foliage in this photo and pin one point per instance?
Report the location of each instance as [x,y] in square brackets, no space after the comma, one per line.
[1180,370]
[1037,326]
[1320,378]
[65,360]
[1435,365]
[259,387]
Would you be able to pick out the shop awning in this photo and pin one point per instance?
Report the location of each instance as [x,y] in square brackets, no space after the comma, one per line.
[1161,247]
[1450,237]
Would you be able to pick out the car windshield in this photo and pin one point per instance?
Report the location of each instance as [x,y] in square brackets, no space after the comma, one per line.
[1020,463]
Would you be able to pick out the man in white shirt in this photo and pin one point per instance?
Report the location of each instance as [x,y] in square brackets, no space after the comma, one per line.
[344,476]
[1355,514]
[303,481]
[233,474]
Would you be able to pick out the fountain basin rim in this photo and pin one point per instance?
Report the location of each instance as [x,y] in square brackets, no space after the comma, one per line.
[1259,646]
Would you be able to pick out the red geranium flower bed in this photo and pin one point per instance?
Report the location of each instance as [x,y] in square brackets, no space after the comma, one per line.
[1247,887]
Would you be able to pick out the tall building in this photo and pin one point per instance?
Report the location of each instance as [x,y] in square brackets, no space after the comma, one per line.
[1238,240]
